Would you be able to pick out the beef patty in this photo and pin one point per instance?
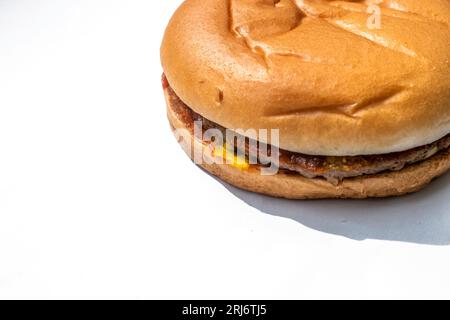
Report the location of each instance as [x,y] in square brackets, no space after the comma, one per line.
[334,169]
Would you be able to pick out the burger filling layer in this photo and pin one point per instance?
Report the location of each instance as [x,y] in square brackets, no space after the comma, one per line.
[334,169]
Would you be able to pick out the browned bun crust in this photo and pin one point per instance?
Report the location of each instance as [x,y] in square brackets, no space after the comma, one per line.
[295,186]
[314,70]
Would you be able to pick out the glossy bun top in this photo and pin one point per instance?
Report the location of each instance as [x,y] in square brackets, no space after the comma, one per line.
[333,76]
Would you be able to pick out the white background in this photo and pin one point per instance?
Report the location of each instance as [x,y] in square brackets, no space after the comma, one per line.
[97,200]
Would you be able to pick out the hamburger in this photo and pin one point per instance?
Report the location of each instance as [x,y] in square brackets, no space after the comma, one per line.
[356,110]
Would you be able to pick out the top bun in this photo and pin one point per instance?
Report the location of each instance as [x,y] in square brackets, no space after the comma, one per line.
[316,70]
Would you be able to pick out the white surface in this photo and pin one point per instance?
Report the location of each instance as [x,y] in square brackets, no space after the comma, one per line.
[97,200]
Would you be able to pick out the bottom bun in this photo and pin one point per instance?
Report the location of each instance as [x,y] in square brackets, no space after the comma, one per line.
[294,186]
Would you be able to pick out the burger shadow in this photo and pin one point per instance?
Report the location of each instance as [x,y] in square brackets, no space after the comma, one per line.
[422,218]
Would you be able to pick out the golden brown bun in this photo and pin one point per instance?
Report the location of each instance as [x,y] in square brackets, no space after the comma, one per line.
[314,70]
[295,186]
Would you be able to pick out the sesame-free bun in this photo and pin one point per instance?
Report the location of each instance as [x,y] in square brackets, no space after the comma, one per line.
[294,186]
[315,70]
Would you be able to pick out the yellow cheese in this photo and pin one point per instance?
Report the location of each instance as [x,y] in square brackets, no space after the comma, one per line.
[230,158]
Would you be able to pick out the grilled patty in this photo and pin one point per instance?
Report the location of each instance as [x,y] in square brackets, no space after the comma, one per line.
[334,169]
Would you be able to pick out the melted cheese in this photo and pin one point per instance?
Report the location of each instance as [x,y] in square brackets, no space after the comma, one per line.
[230,157]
